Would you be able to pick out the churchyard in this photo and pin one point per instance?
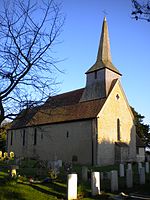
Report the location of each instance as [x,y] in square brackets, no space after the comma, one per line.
[33,179]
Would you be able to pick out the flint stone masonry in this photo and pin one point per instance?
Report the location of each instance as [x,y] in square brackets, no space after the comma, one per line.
[72,186]
[129,178]
[114,180]
[95,183]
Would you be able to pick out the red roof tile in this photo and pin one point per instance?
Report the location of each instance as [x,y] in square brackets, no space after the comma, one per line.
[60,108]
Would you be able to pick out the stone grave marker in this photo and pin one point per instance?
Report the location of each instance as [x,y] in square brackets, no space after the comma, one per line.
[72,186]
[114,180]
[121,170]
[147,167]
[95,183]
[129,178]
[142,176]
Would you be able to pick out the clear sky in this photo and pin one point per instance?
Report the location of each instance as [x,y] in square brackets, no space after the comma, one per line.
[130,47]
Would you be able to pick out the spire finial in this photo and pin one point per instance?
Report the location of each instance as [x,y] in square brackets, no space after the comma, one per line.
[105,18]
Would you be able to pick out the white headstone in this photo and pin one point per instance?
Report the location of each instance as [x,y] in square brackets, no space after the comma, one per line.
[114,181]
[139,166]
[95,183]
[72,186]
[147,167]
[129,178]
[142,175]
[121,170]
[129,166]
[84,173]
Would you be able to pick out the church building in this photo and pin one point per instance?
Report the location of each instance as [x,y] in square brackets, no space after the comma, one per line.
[93,125]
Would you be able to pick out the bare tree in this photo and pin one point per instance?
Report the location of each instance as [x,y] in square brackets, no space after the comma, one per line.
[28,32]
[141,9]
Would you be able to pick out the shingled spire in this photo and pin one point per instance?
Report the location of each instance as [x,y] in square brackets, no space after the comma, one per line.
[101,76]
[104,54]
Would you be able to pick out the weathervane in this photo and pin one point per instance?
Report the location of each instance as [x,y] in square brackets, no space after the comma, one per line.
[105,12]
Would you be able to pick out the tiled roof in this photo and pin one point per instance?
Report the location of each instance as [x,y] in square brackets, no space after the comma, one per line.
[24,117]
[61,108]
[65,99]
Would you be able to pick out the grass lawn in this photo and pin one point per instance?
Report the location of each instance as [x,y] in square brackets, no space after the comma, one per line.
[12,190]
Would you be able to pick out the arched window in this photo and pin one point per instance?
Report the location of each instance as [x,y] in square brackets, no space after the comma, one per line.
[118,129]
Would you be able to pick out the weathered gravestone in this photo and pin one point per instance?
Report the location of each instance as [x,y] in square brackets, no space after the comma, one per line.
[139,167]
[121,170]
[114,181]
[142,175]
[147,167]
[129,178]
[95,183]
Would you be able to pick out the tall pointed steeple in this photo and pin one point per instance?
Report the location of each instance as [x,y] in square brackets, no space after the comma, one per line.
[104,54]
[100,77]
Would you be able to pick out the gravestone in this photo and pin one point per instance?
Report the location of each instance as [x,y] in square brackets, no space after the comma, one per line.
[121,170]
[139,166]
[114,181]
[129,178]
[72,186]
[142,175]
[95,183]
[147,167]
[129,166]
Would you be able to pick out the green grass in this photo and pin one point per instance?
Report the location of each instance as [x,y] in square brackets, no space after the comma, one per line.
[12,190]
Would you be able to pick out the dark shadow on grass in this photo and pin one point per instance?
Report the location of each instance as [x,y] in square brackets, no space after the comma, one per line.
[55,187]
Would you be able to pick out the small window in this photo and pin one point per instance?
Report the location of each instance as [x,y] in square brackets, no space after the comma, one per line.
[95,75]
[23,143]
[11,138]
[117,97]
[118,129]
[35,137]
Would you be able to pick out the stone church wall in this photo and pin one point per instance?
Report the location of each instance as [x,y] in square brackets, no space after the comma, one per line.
[65,141]
[116,107]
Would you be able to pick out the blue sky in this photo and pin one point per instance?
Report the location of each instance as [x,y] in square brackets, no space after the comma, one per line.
[130,47]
